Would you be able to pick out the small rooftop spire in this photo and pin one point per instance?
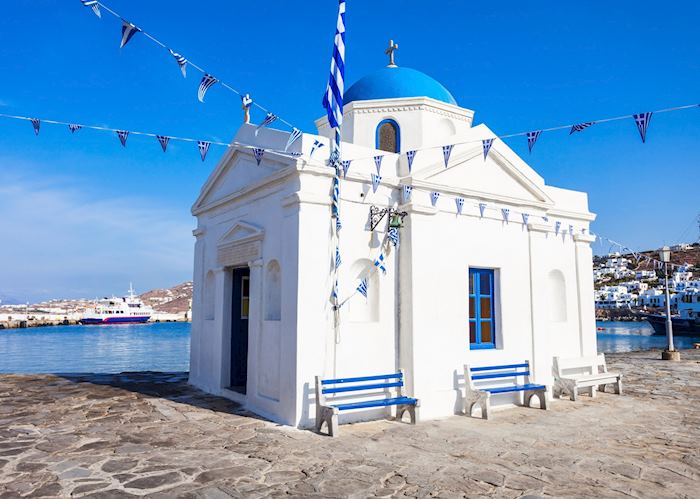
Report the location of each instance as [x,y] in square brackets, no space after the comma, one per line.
[390,52]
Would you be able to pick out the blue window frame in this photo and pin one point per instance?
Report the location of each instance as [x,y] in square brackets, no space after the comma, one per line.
[388,136]
[482,320]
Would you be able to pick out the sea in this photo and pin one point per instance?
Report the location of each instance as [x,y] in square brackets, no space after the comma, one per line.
[165,346]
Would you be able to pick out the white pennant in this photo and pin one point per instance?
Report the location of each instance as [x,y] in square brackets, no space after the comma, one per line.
[375,182]
[406,191]
[460,204]
[506,213]
[482,208]
[446,151]
[203,148]
[434,197]
[378,163]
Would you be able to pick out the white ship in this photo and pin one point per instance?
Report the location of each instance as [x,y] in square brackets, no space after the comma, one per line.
[125,310]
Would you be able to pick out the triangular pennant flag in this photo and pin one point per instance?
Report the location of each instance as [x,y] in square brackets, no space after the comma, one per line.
[36,123]
[446,151]
[94,6]
[546,219]
[486,144]
[378,164]
[163,140]
[406,193]
[532,138]
[269,118]
[362,288]
[123,135]
[346,166]
[571,230]
[581,126]
[557,226]
[375,182]
[203,148]
[460,205]
[379,263]
[506,213]
[338,261]
[128,30]
[393,236]
[526,217]
[482,208]
[642,120]
[258,153]
[410,155]
[293,137]
[434,197]
[181,62]
[206,83]
[74,128]
[317,145]
[246,101]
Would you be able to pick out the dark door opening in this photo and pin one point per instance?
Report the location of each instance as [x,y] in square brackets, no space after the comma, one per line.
[240,304]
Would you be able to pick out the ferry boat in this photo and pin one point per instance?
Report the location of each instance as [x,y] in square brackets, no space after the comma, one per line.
[686,322]
[125,310]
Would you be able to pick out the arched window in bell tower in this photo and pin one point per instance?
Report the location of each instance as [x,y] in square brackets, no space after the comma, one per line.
[388,136]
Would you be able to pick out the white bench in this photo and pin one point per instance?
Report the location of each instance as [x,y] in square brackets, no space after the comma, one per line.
[583,372]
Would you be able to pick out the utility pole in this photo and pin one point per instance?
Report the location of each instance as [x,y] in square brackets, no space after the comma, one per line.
[670,353]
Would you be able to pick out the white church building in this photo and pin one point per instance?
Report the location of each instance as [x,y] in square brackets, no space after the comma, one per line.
[506,280]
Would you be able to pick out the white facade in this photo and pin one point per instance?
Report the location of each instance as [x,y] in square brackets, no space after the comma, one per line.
[275,220]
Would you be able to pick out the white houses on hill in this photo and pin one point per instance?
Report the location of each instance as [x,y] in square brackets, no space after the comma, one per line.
[483,287]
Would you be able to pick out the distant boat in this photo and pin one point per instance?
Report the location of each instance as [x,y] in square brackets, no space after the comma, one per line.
[125,310]
[687,322]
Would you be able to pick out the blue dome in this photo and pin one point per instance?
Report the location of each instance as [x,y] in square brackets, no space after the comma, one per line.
[396,82]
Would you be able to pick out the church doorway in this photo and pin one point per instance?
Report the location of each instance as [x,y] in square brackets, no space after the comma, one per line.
[240,306]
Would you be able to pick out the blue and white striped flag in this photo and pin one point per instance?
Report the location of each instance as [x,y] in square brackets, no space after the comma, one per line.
[526,217]
[434,197]
[333,158]
[317,145]
[258,154]
[181,62]
[123,135]
[557,227]
[293,137]
[446,151]
[269,118]
[580,127]
[74,128]
[346,167]
[163,140]
[36,123]
[333,97]
[379,263]
[206,83]
[460,204]
[532,138]
[378,164]
[410,155]
[506,213]
[338,261]
[642,120]
[362,288]
[482,208]
[393,236]
[94,5]
[128,30]
[406,193]
[338,225]
[375,182]
[486,145]
[335,198]
[203,148]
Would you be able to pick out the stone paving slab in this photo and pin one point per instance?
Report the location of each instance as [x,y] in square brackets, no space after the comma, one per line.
[150,434]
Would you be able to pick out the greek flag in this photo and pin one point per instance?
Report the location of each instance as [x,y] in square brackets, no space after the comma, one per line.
[526,217]
[163,141]
[580,127]
[434,197]
[406,191]
[258,153]
[642,120]
[206,83]
[123,135]
[36,123]
[460,205]
[293,137]
[379,263]
[446,151]
[94,5]
[181,61]
[128,30]
[362,288]
[333,158]
[338,261]
[393,236]
[346,167]
[333,98]
[378,163]
[269,118]
[410,155]
[317,145]
[203,148]
[557,226]
[506,213]
[486,145]
[335,207]
[482,208]
[375,182]
[532,138]
[338,225]
[74,128]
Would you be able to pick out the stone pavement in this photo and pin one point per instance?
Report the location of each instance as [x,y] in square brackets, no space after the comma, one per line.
[150,434]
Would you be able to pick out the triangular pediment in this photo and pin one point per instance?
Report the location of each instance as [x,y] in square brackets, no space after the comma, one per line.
[241,232]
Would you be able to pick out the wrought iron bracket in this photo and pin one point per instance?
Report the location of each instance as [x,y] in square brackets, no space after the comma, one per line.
[376,215]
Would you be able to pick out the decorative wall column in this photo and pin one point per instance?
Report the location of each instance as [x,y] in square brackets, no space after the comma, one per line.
[255,317]
[541,365]
[585,300]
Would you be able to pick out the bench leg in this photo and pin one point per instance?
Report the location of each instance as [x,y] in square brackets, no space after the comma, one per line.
[592,391]
[601,388]
[618,387]
[541,396]
[403,408]
[328,415]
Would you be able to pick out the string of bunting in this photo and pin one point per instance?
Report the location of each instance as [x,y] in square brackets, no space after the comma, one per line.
[130,29]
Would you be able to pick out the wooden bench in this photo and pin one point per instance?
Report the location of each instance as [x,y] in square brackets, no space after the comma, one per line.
[583,372]
[366,385]
[481,395]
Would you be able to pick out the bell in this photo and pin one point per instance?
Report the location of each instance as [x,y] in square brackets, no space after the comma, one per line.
[395,221]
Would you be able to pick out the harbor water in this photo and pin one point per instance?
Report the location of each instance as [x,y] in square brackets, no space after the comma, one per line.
[166,346]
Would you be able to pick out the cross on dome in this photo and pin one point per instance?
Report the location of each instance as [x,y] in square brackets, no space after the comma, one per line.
[390,52]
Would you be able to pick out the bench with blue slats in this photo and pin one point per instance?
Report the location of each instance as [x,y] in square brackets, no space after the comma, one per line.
[328,412]
[481,395]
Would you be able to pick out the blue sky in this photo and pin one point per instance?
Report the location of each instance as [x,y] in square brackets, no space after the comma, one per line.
[82,216]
